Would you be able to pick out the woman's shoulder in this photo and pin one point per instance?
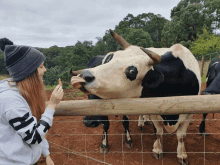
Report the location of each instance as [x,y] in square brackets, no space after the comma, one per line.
[11,100]
[10,95]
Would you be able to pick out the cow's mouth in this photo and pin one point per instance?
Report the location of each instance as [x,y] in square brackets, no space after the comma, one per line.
[79,83]
[83,89]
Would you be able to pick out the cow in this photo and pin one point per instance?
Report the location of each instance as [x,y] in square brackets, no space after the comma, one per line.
[136,72]
[213,87]
[95,121]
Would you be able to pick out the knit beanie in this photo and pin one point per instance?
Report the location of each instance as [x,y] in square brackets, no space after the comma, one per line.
[20,61]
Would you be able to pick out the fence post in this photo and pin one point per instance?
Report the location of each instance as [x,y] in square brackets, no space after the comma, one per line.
[201,71]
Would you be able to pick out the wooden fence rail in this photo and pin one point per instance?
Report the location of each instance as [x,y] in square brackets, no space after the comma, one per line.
[140,106]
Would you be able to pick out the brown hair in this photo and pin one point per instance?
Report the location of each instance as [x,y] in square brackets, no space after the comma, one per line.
[32,89]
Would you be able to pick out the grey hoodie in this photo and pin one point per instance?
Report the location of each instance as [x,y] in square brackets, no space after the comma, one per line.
[21,137]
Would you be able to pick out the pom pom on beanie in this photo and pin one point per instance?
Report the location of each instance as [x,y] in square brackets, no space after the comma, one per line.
[4,42]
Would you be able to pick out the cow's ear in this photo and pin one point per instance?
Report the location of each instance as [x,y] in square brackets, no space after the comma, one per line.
[153,79]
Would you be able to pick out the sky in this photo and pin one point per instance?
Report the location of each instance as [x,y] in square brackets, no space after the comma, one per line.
[45,23]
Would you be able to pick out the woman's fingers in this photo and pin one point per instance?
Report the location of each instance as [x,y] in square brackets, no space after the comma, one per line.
[60,82]
[57,93]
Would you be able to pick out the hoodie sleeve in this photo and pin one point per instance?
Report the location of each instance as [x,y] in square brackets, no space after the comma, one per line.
[45,147]
[19,116]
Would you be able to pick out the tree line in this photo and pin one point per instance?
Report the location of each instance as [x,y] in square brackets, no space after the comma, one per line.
[194,24]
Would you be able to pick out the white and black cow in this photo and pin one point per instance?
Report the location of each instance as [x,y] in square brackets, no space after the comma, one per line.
[213,87]
[135,72]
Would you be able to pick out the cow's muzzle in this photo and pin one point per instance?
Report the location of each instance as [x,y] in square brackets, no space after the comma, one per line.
[87,76]
[82,79]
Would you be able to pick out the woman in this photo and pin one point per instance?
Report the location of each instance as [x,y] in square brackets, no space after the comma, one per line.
[24,120]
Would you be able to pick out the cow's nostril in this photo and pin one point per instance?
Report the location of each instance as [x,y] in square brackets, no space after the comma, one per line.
[87,76]
[89,79]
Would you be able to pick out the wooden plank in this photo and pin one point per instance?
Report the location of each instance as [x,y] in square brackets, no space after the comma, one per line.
[141,106]
[201,70]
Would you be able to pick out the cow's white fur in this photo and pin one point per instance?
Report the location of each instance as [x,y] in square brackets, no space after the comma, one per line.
[142,119]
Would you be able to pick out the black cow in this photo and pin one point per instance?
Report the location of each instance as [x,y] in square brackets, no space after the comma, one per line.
[213,86]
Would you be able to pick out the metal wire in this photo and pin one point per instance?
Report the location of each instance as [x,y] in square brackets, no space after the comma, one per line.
[142,152]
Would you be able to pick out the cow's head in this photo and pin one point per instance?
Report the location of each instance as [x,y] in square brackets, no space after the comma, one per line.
[122,73]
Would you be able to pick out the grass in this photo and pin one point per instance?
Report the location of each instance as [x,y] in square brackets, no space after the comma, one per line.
[205,69]
[4,77]
[204,78]
[49,87]
[79,94]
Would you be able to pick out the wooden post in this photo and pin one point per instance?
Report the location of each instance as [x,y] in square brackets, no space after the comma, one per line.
[141,106]
[201,71]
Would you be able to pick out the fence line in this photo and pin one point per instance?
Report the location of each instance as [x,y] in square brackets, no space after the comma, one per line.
[120,120]
[135,106]
[101,159]
[77,153]
[139,106]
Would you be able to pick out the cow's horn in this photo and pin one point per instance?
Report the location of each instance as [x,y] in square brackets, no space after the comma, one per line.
[119,40]
[154,56]
[75,73]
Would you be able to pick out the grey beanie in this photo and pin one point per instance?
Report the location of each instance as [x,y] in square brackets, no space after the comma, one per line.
[20,61]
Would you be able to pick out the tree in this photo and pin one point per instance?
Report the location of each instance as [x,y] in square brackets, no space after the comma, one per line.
[188,19]
[153,24]
[205,45]
[138,37]
[149,22]
[3,69]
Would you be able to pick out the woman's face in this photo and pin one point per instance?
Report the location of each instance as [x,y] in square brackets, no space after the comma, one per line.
[41,69]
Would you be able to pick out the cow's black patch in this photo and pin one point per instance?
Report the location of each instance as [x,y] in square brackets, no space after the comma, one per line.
[213,85]
[213,75]
[171,119]
[108,58]
[95,61]
[92,121]
[213,70]
[153,78]
[131,72]
[177,81]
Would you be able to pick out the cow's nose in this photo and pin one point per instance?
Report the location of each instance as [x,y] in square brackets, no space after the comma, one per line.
[87,76]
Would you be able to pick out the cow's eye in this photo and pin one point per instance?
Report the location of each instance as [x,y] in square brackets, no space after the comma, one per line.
[108,58]
[131,72]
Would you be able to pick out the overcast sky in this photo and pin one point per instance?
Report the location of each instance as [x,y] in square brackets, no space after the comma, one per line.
[44,23]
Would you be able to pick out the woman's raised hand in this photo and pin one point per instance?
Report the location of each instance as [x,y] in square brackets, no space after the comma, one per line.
[56,95]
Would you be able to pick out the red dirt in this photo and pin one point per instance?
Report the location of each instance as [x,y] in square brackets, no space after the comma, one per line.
[68,132]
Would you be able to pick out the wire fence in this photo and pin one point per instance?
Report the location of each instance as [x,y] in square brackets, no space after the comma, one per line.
[73,143]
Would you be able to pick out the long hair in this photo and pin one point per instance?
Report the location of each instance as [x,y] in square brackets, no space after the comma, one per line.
[33,90]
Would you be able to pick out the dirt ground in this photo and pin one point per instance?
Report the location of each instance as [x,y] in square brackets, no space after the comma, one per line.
[71,142]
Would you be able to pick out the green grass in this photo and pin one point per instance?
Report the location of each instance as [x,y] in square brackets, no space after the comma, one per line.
[50,87]
[4,77]
[204,78]
[205,70]
[79,94]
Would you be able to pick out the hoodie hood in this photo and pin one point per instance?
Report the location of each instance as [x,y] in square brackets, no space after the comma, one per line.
[4,86]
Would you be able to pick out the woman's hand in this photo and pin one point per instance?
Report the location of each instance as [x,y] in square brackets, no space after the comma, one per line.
[49,161]
[56,96]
